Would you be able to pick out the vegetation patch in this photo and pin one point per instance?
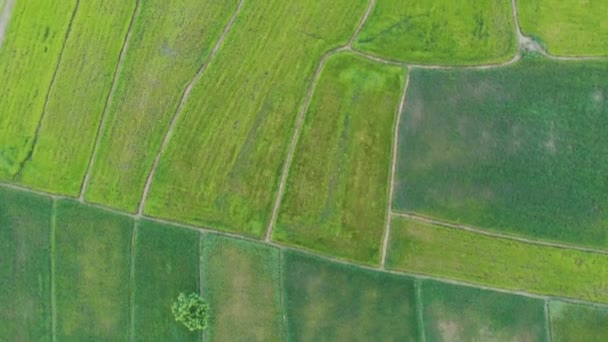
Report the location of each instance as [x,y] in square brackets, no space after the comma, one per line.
[231,140]
[92,258]
[166,264]
[241,284]
[330,302]
[28,56]
[453,253]
[170,41]
[25,281]
[520,149]
[576,322]
[567,27]
[337,189]
[77,98]
[457,313]
[441,31]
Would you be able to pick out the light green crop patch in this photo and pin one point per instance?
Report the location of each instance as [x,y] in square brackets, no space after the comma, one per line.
[440,31]
[453,253]
[566,27]
[77,97]
[166,264]
[456,313]
[223,165]
[170,40]
[28,57]
[25,278]
[92,258]
[337,190]
[241,283]
[330,302]
[577,322]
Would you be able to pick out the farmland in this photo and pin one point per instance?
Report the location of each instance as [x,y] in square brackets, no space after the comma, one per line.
[570,322]
[566,28]
[346,138]
[486,149]
[251,117]
[440,32]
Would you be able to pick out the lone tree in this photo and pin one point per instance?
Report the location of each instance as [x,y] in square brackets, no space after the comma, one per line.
[192,311]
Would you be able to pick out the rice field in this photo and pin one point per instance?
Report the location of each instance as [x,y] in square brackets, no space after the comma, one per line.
[577,322]
[440,32]
[337,190]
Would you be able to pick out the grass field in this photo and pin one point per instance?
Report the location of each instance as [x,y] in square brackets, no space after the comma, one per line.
[520,149]
[422,248]
[456,313]
[440,31]
[28,56]
[567,27]
[169,43]
[241,283]
[76,100]
[92,268]
[330,302]
[337,190]
[166,263]
[575,322]
[232,137]
[25,284]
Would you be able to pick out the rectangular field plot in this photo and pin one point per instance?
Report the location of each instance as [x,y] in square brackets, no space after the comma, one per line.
[166,264]
[520,149]
[169,43]
[28,55]
[77,97]
[241,283]
[440,31]
[566,27]
[456,313]
[92,258]
[475,258]
[575,322]
[230,142]
[337,190]
[329,302]
[25,281]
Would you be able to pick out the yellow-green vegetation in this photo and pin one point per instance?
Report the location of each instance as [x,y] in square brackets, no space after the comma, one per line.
[91,272]
[77,97]
[456,313]
[28,57]
[241,283]
[329,302]
[169,43]
[223,165]
[25,284]
[577,322]
[566,27]
[521,149]
[453,253]
[440,31]
[166,264]
[337,190]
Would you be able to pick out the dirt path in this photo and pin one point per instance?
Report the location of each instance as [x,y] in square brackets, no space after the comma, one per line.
[5,17]
[185,96]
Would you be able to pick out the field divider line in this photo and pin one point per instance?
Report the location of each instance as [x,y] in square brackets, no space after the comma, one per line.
[133,251]
[52,273]
[5,18]
[185,96]
[106,108]
[419,309]
[326,257]
[362,22]
[30,152]
[548,327]
[201,262]
[479,231]
[393,171]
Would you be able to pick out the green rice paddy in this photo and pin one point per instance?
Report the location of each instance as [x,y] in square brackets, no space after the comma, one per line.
[336,194]
[576,322]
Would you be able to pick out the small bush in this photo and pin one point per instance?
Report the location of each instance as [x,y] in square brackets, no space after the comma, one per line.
[192,311]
